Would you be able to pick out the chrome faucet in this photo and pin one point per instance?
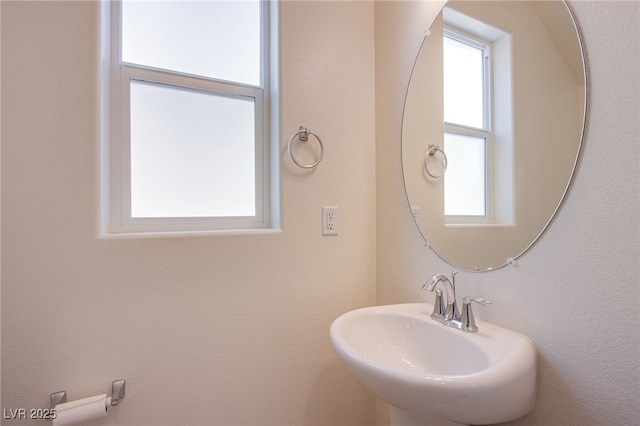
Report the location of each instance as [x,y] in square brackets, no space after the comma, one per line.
[447,312]
[451,311]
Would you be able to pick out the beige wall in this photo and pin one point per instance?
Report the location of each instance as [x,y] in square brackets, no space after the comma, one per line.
[576,294]
[229,330]
[234,330]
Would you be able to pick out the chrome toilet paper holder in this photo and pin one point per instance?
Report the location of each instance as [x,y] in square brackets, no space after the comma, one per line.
[117,393]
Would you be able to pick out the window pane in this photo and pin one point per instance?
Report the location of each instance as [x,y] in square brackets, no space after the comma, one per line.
[217,39]
[464,181]
[192,153]
[463,84]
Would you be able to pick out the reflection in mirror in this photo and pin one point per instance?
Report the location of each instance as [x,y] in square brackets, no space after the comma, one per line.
[500,88]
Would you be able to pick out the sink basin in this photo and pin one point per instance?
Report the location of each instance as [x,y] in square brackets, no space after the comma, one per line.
[434,374]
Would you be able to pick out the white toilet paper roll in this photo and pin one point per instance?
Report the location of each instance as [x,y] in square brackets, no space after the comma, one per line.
[81,410]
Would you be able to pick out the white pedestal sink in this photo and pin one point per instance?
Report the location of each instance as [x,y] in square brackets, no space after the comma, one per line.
[432,374]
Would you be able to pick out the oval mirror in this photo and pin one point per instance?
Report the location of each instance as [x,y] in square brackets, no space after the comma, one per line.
[492,128]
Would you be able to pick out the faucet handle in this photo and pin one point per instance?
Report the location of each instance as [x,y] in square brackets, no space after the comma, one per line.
[480,300]
[468,321]
[438,305]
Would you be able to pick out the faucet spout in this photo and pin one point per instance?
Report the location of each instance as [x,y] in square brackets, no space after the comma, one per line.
[431,283]
[439,305]
[451,311]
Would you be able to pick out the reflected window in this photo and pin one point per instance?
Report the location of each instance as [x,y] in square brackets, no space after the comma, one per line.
[465,189]
[467,106]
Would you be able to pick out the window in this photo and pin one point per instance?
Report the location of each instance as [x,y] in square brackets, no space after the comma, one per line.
[190,116]
[467,107]
[479,125]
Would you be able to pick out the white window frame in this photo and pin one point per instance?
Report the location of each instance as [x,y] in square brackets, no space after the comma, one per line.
[484,132]
[116,218]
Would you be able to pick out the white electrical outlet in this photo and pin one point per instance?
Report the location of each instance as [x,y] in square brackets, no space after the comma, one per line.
[329,221]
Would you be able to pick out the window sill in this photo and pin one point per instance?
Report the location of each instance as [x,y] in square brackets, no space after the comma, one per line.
[186,234]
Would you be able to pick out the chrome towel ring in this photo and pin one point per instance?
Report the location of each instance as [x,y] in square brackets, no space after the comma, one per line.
[304,133]
[430,153]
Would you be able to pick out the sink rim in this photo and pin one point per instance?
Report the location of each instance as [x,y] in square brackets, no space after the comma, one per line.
[421,312]
[509,380]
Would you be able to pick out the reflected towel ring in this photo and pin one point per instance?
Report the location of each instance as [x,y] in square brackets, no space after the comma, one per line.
[304,133]
[430,153]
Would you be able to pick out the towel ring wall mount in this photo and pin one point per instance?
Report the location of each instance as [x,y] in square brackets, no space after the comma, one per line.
[303,136]
[431,152]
